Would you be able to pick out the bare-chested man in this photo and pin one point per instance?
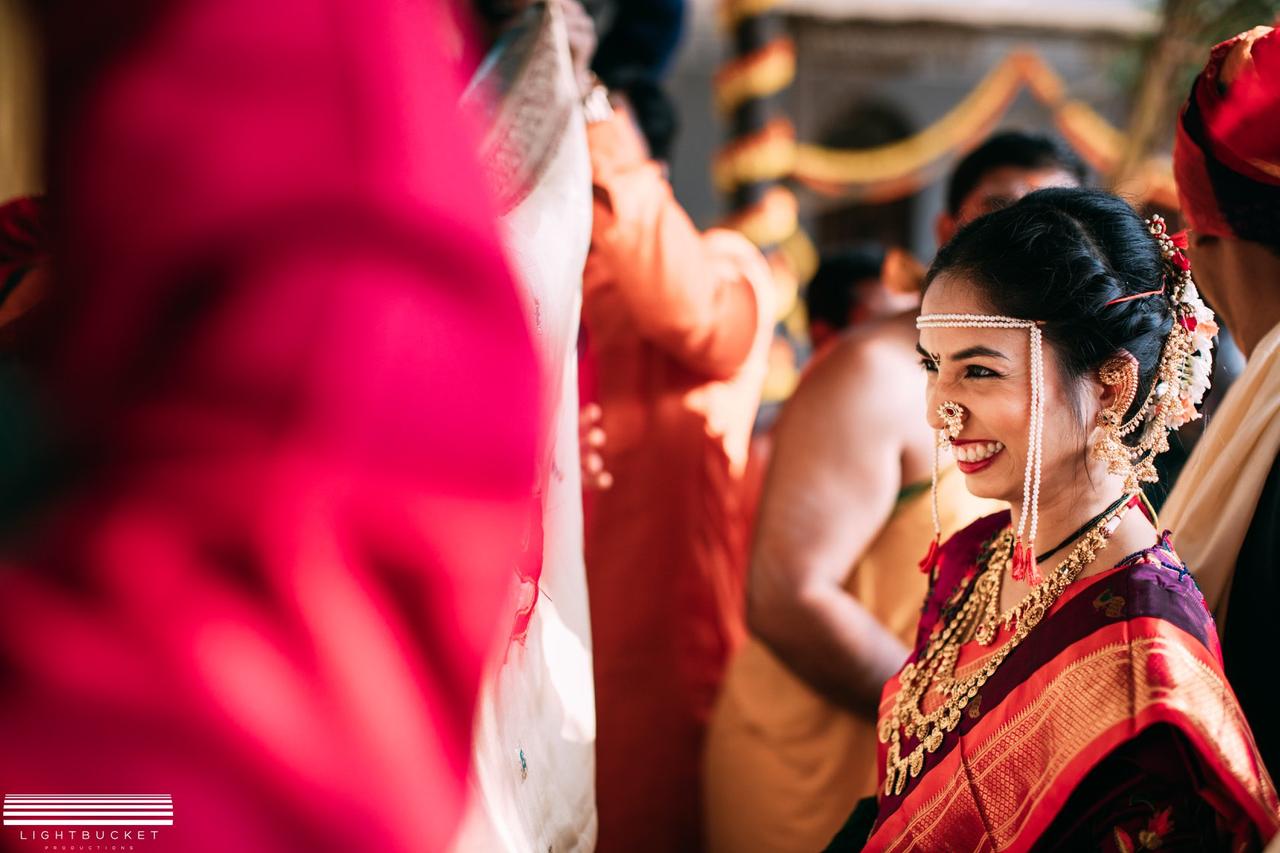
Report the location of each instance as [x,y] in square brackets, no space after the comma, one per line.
[834,592]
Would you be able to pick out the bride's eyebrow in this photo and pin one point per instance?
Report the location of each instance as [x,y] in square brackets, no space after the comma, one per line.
[968,352]
[976,351]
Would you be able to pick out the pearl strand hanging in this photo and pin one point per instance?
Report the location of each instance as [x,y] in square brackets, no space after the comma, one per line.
[1035,451]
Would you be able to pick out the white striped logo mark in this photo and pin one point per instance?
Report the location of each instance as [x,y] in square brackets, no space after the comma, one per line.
[88,810]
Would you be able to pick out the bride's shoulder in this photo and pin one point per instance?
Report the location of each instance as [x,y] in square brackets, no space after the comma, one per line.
[1158,583]
[1160,564]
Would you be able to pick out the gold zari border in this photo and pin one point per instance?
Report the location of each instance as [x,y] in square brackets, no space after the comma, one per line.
[1004,775]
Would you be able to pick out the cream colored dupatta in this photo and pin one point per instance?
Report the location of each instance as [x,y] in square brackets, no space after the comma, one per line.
[533,759]
[1212,504]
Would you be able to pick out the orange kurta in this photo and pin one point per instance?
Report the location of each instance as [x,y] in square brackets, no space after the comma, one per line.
[679,325]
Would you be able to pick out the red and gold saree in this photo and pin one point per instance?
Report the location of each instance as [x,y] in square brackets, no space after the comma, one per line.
[1110,727]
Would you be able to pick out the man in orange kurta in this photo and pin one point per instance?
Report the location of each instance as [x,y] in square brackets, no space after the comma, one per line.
[679,324]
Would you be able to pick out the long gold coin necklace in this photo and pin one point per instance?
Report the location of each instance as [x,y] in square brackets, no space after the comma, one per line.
[977,618]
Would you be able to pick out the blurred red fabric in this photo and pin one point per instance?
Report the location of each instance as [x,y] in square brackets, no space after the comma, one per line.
[23,242]
[299,396]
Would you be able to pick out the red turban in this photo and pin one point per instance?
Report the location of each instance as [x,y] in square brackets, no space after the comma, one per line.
[1230,121]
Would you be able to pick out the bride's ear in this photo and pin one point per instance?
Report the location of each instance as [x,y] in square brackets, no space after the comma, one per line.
[1117,382]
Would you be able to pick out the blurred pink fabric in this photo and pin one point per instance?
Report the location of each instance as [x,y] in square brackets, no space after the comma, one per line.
[299,394]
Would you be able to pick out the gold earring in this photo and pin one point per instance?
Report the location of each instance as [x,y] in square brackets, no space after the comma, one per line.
[1110,448]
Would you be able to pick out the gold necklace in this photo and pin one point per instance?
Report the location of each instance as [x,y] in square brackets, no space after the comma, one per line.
[978,616]
[989,584]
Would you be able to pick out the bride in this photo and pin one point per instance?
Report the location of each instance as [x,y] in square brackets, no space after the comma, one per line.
[1066,688]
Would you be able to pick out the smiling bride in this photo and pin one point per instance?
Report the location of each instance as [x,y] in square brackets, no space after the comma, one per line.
[1066,688]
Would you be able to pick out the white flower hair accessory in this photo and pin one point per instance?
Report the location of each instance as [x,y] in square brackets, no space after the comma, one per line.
[1198,370]
[1183,373]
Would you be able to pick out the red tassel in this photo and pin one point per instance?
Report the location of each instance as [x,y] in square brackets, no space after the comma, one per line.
[1025,567]
[1033,569]
[930,560]
[1019,561]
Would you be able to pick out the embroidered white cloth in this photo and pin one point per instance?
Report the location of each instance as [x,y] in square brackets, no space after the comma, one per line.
[533,765]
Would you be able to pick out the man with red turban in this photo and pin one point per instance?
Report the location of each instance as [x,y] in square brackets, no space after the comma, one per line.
[1226,505]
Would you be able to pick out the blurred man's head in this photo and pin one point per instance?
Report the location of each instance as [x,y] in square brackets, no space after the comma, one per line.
[653,113]
[1002,170]
[632,59]
[1227,164]
[847,290]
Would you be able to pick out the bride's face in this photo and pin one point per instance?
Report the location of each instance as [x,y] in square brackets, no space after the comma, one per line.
[988,372]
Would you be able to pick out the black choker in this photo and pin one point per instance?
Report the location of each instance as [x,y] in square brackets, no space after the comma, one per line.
[1090,523]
